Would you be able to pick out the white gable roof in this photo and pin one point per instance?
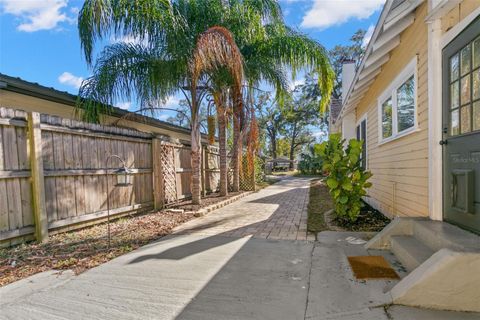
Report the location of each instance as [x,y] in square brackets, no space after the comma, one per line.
[396,16]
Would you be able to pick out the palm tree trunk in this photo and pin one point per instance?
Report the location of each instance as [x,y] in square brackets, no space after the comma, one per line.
[237,101]
[196,147]
[196,158]
[222,140]
[237,151]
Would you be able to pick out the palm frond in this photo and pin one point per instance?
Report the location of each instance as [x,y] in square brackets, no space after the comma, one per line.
[141,19]
[216,49]
[297,51]
[125,72]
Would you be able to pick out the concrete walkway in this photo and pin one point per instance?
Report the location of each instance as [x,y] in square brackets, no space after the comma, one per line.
[236,263]
[277,212]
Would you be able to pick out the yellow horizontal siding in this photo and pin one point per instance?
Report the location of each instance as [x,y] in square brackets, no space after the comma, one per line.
[400,164]
[458,13]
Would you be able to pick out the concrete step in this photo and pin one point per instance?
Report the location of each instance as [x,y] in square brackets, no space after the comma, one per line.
[410,251]
[438,235]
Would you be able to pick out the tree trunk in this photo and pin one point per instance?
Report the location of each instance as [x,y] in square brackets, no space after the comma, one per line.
[236,151]
[273,141]
[237,101]
[292,151]
[292,146]
[196,158]
[222,140]
[196,148]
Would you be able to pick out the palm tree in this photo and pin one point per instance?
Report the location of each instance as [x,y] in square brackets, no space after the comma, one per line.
[216,48]
[266,60]
[267,54]
[157,65]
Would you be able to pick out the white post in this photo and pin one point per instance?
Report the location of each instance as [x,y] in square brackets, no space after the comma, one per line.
[435,123]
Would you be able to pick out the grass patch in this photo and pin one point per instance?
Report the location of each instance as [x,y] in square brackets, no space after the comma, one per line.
[265,183]
[319,202]
[284,173]
[305,175]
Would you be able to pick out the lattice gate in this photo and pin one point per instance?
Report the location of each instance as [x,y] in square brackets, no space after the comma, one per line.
[247,175]
[167,158]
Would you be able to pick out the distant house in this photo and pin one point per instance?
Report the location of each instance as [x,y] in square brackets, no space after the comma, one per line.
[28,96]
[414,100]
[280,164]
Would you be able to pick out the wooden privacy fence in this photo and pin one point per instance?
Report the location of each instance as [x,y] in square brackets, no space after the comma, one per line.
[177,171]
[54,175]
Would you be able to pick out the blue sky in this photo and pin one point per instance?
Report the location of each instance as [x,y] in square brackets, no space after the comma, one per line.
[39,41]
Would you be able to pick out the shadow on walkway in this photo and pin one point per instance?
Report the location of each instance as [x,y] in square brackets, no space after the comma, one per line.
[261,229]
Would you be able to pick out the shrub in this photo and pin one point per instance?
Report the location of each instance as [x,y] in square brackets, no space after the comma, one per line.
[346,180]
[310,163]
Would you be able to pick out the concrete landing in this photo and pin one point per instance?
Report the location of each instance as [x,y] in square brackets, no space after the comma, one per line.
[209,273]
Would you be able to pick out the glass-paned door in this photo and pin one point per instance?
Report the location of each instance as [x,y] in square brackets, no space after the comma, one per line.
[461,117]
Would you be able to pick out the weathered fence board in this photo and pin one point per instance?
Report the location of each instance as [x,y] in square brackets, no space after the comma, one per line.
[15,193]
[74,182]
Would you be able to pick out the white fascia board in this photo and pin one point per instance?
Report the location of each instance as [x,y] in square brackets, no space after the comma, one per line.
[385,50]
[367,79]
[400,12]
[374,67]
[361,89]
[394,31]
[357,98]
[376,32]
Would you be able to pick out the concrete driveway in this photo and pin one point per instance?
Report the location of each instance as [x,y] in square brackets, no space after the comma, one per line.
[249,260]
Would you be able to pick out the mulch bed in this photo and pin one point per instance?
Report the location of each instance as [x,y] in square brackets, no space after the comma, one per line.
[86,248]
[206,201]
[369,220]
[321,216]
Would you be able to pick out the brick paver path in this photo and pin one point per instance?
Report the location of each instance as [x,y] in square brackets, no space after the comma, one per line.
[276,212]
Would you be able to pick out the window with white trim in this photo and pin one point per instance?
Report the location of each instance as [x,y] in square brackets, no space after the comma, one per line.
[397,106]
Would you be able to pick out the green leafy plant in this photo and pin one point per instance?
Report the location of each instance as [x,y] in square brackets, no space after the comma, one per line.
[310,163]
[347,180]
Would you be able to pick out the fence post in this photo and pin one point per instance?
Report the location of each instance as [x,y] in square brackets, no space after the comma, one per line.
[158,192]
[38,183]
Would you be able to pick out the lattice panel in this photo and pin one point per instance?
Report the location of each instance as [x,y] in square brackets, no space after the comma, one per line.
[169,175]
[247,177]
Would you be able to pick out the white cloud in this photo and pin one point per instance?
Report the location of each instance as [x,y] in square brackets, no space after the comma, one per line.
[368,35]
[163,116]
[172,102]
[35,14]
[327,13]
[71,80]
[128,39]
[319,134]
[124,105]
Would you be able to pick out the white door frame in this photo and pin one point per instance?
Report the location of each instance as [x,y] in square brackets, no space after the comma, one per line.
[436,42]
